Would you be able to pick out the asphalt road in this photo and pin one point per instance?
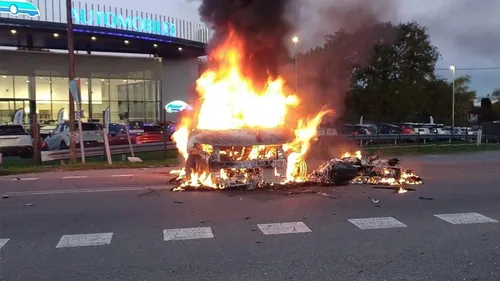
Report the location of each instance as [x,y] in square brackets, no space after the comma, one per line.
[131,227]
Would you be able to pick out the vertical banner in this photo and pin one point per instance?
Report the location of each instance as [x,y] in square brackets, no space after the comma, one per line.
[60,116]
[107,120]
[17,118]
[74,88]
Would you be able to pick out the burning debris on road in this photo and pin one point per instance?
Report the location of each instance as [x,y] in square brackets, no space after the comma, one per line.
[349,169]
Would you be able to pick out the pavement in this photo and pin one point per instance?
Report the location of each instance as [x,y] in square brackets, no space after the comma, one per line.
[127,225]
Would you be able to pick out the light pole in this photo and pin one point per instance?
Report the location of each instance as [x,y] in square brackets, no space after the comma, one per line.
[71,76]
[453,69]
[295,41]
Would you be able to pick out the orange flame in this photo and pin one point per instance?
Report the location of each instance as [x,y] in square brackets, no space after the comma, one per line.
[230,100]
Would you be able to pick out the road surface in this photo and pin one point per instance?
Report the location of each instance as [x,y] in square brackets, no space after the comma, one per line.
[126,225]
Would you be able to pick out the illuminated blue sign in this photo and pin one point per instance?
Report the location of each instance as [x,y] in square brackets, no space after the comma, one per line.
[177,106]
[112,20]
[19,8]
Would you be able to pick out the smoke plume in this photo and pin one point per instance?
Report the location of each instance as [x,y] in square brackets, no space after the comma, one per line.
[262,24]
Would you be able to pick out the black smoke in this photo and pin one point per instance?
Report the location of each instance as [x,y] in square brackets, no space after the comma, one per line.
[262,24]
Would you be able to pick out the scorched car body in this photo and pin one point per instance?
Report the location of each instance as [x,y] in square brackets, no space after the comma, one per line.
[257,152]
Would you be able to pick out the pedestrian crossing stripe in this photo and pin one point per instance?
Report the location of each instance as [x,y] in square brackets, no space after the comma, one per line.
[85,240]
[283,228]
[187,233]
[465,218]
[377,223]
[3,242]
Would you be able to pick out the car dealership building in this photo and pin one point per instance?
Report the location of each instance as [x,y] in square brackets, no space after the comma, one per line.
[32,68]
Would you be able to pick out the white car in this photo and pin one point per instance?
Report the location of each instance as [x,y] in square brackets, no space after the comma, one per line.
[60,137]
[15,141]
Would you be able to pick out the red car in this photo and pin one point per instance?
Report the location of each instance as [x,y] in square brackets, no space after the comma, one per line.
[117,135]
[151,134]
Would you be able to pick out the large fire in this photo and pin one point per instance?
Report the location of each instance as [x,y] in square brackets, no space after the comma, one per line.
[229,99]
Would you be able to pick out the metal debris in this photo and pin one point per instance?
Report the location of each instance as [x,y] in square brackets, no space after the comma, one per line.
[350,169]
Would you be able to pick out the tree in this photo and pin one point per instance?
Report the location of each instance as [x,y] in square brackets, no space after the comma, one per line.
[496,93]
[486,112]
[496,109]
[388,74]
[398,83]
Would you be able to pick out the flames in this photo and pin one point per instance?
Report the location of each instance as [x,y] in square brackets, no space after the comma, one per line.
[229,99]
[381,173]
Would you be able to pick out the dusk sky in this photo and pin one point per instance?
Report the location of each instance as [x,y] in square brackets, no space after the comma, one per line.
[465,31]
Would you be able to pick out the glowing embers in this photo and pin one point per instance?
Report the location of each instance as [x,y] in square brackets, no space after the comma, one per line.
[374,171]
[262,172]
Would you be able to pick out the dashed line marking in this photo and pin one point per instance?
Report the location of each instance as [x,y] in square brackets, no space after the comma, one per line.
[465,218]
[187,233]
[283,228]
[84,240]
[3,242]
[74,177]
[24,179]
[94,190]
[121,176]
[377,223]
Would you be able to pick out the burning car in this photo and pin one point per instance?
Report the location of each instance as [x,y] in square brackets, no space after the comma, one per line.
[242,157]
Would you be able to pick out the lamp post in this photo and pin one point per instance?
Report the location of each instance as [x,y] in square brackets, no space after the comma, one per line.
[295,41]
[71,76]
[453,69]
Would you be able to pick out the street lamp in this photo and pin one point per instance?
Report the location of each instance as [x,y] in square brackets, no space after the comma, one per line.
[453,70]
[295,41]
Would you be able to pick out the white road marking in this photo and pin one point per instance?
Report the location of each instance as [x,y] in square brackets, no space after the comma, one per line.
[465,218]
[377,223]
[121,176]
[83,240]
[93,190]
[3,242]
[284,228]
[24,179]
[187,233]
[74,177]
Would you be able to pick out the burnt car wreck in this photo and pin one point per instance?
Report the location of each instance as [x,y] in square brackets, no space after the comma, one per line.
[246,158]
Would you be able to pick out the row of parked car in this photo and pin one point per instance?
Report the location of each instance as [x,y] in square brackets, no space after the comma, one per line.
[16,141]
[405,128]
[59,137]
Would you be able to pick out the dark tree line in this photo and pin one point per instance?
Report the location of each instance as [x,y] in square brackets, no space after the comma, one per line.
[385,73]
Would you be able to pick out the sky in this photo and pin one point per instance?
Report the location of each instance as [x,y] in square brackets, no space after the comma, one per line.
[465,31]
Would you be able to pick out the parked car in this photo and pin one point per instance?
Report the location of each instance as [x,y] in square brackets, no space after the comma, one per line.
[15,141]
[46,130]
[349,129]
[368,129]
[60,137]
[151,134]
[407,129]
[386,128]
[117,135]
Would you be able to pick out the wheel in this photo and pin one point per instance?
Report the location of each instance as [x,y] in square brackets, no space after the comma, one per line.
[13,9]
[63,145]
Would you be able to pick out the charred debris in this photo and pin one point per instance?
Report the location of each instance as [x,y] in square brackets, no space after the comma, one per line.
[347,170]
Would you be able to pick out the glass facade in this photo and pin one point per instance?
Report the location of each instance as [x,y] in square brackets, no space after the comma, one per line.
[139,97]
